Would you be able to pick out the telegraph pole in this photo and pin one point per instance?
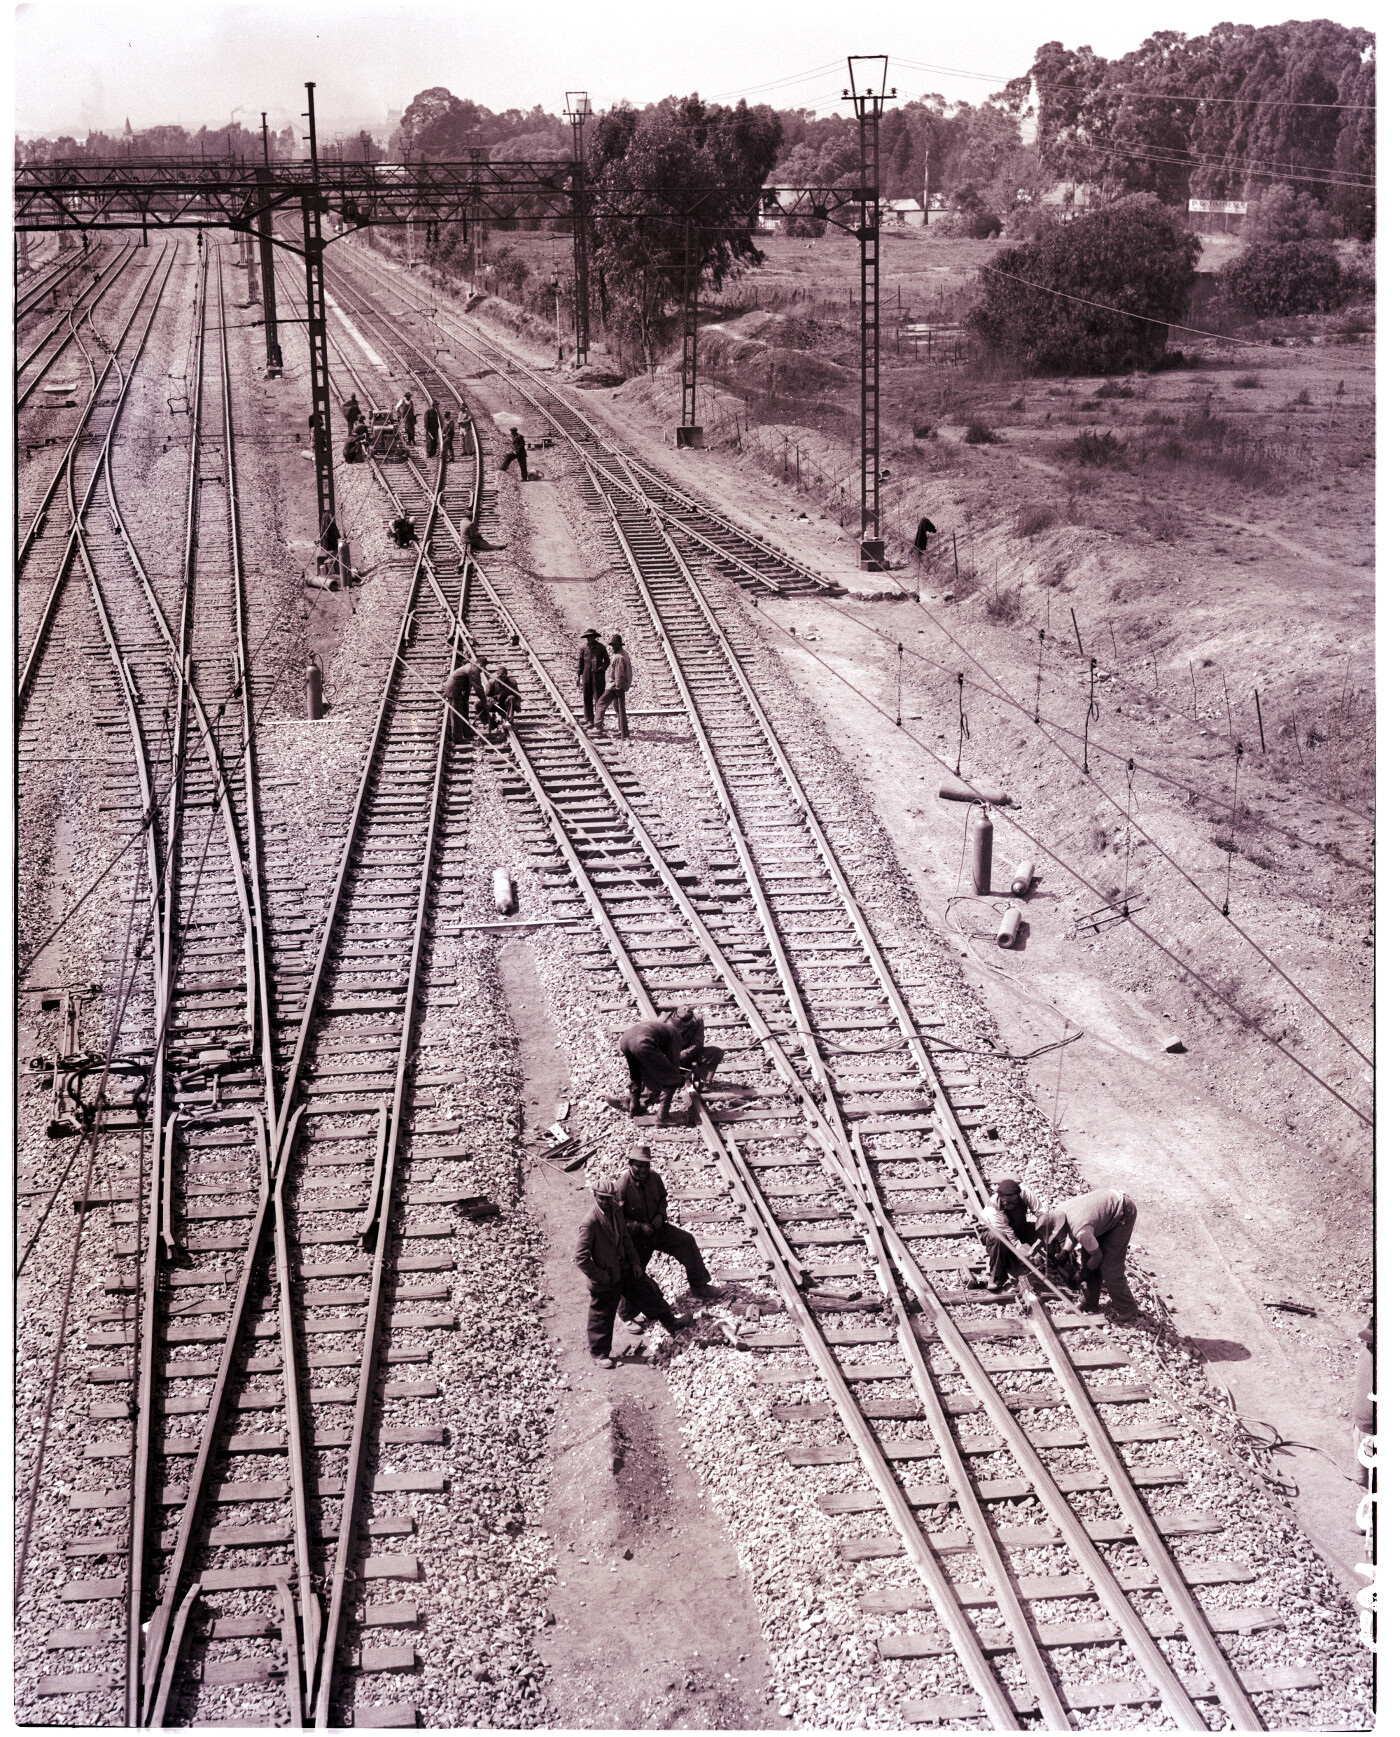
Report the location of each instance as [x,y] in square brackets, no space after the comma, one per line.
[269,281]
[316,335]
[578,108]
[865,70]
[689,433]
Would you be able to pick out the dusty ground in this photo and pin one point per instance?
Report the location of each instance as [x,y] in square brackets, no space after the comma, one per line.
[1250,1176]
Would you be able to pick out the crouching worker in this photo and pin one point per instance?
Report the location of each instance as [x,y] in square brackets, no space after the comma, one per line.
[502,700]
[643,1197]
[700,1060]
[1009,1218]
[1099,1224]
[403,530]
[650,1051]
[608,1260]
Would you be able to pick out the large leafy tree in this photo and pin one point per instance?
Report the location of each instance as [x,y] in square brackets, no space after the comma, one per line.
[677,168]
[1090,297]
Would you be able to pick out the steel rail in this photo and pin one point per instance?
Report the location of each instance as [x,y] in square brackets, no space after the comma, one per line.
[57,273]
[31,663]
[1171,1581]
[369,1362]
[69,318]
[1174,1696]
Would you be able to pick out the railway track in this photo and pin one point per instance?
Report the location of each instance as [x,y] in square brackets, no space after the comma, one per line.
[871,1158]
[53,341]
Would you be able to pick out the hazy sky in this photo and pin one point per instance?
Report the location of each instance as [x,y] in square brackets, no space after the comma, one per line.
[80,65]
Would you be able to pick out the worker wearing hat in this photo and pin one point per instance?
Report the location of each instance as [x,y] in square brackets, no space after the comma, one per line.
[1008,1220]
[592,672]
[608,1260]
[643,1197]
[1101,1224]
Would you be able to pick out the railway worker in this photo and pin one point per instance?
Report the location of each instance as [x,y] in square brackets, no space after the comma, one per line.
[407,418]
[643,1197]
[608,1260]
[403,530]
[464,682]
[700,1060]
[352,412]
[353,451]
[502,699]
[431,426]
[516,455]
[619,680]
[592,672]
[1008,1218]
[650,1051]
[449,435]
[1101,1224]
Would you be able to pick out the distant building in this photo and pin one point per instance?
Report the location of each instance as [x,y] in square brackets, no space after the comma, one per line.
[902,211]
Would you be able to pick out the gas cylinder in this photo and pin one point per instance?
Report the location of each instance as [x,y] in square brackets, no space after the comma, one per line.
[1023,878]
[315,689]
[503,891]
[982,853]
[1010,926]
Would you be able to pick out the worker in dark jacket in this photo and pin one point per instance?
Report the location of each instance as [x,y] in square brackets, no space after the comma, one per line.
[449,435]
[1007,1219]
[650,1049]
[352,410]
[699,1059]
[430,428]
[502,699]
[592,672]
[516,455]
[466,681]
[1101,1224]
[609,1262]
[643,1197]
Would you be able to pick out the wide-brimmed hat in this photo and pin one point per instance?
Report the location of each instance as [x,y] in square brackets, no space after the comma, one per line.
[591,633]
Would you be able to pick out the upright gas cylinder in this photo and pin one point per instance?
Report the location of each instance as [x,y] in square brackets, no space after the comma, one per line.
[982,853]
[315,689]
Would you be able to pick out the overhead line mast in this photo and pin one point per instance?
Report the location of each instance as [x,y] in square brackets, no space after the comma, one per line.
[869,102]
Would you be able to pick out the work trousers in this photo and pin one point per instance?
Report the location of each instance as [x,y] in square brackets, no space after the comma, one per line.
[650,1071]
[410,429]
[643,1298]
[612,697]
[1113,1246]
[1001,1262]
[592,690]
[673,1241]
[513,458]
[430,440]
[704,1064]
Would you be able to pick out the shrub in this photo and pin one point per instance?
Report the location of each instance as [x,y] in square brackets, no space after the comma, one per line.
[1090,297]
[982,225]
[1110,390]
[979,434]
[1005,606]
[1246,382]
[1091,447]
[1034,517]
[1286,277]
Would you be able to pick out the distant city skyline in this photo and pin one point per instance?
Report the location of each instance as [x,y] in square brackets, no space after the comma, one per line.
[81,66]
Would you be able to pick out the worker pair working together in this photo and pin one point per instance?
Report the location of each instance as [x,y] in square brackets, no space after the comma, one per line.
[1084,1240]
[626,1227]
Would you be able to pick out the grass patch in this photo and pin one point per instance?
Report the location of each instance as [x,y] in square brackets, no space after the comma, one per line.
[1005,606]
[1110,390]
[1033,517]
[980,434]
[1247,382]
[1091,447]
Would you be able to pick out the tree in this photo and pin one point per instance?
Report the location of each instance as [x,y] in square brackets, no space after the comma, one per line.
[1090,297]
[675,168]
[1284,277]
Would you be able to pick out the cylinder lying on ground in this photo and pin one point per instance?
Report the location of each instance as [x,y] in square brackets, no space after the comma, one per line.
[1021,880]
[1010,926]
[503,891]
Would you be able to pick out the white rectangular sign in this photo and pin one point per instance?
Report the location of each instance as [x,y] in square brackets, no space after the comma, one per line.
[1230,207]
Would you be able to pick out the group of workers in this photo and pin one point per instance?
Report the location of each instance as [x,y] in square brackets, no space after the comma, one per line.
[497,699]
[605,675]
[1083,1240]
[437,426]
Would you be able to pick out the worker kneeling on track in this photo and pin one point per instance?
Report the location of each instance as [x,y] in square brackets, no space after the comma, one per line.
[1099,1226]
[643,1197]
[1009,1217]
[699,1059]
[608,1260]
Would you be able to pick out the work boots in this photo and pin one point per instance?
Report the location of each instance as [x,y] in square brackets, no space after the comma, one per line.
[666,1105]
[635,1107]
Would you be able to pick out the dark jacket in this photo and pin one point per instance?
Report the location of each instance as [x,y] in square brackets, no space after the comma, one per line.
[605,1252]
[592,660]
[517,443]
[644,1201]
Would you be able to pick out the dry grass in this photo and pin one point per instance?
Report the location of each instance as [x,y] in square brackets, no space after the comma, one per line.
[1033,517]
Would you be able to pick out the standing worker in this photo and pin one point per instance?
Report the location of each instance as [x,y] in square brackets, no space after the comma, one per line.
[352,411]
[650,1050]
[1102,1224]
[608,1260]
[516,455]
[458,689]
[449,435]
[592,672]
[1008,1218]
[643,1197]
[615,693]
[430,428]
